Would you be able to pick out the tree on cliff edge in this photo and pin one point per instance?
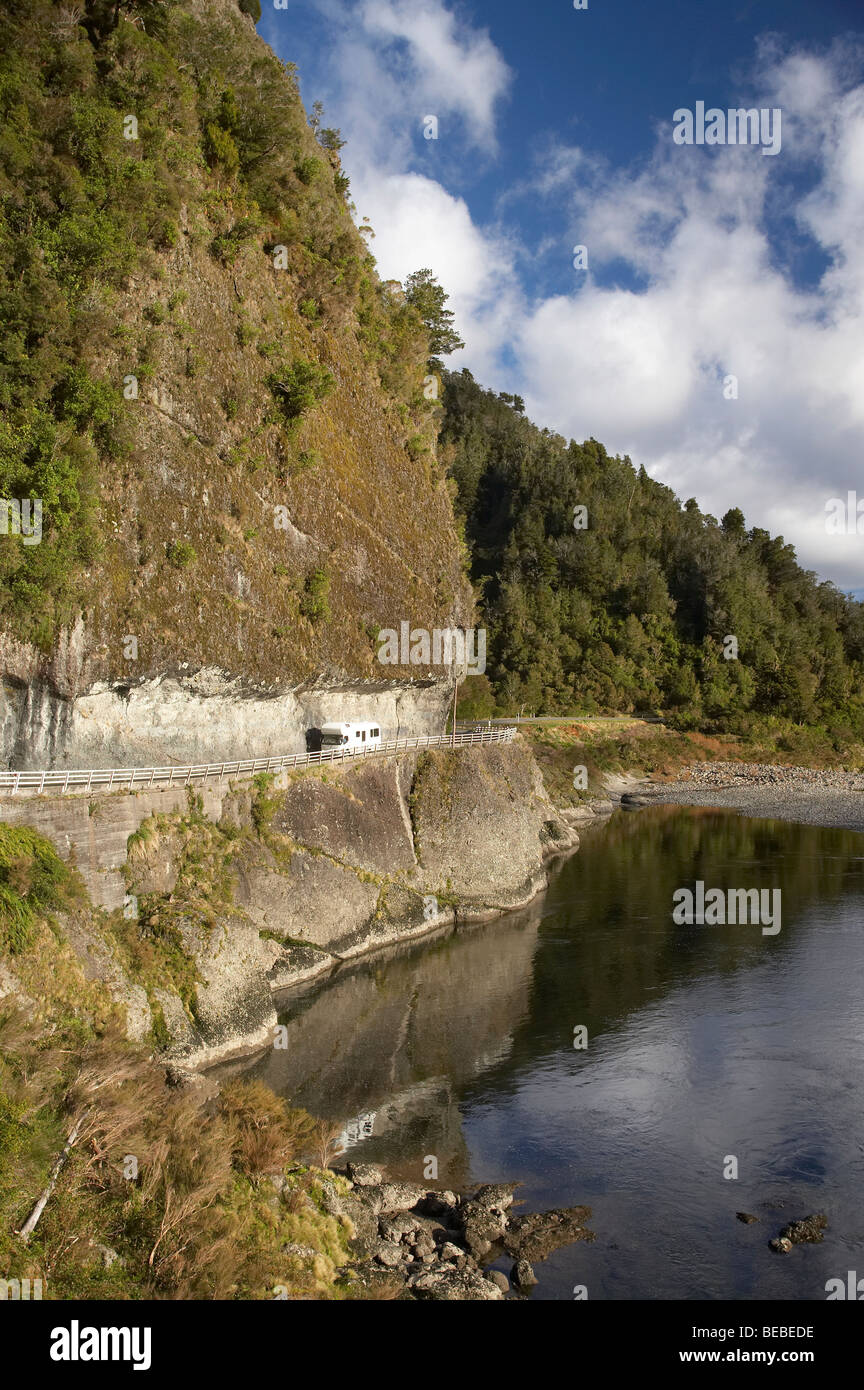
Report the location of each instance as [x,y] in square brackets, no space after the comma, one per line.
[423,293]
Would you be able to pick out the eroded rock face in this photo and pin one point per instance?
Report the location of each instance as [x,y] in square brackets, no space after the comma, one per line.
[360,819]
[482,821]
[98,962]
[310,897]
[233,1003]
[320,867]
[207,716]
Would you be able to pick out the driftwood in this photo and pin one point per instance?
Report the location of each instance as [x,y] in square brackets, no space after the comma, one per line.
[56,1168]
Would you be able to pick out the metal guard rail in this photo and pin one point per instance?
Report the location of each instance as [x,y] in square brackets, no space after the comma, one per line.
[129,778]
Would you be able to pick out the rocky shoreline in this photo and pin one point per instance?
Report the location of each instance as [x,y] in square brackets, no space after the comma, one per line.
[413,1242]
[829,797]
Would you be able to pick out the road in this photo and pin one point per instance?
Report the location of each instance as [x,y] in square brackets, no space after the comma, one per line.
[139,778]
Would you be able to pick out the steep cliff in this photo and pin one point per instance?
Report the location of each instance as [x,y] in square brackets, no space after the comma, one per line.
[205,906]
[218,403]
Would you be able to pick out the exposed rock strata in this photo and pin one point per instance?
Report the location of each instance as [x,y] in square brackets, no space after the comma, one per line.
[206,716]
[314,869]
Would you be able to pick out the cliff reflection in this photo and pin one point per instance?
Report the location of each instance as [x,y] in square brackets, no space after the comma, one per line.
[399,1049]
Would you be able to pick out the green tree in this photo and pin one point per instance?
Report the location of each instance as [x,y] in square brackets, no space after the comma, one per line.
[423,293]
[635,609]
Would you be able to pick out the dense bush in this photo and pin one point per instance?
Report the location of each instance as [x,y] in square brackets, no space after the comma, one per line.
[33,880]
[315,599]
[112,118]
[298,386]
[180,554]
[633,611]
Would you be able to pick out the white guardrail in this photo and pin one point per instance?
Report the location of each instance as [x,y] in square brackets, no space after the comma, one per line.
[129,778]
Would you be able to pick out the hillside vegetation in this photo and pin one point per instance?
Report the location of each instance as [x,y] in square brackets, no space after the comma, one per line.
[218,401]
[171,1189]
[632,607]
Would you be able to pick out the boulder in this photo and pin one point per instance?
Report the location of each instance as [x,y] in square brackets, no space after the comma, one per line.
[537,1234]
[365,1174]
[388,1254]
[454,1285]
[523,1275]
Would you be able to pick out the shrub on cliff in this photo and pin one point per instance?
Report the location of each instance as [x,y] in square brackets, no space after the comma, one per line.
[315,600]
[298,386]
[33,881]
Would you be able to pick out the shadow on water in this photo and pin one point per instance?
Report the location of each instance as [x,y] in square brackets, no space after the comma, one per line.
[705,1044]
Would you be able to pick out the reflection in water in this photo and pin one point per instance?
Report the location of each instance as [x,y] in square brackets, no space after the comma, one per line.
[704,1043]
[403,1034]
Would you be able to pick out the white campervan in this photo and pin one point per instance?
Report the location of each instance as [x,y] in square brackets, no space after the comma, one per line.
[351,738]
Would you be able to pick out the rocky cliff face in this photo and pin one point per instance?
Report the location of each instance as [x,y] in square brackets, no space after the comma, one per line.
[223,410]
[208,717]
[252,888]
[230,424]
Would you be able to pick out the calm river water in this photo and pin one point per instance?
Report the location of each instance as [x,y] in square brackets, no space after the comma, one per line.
[704,1043]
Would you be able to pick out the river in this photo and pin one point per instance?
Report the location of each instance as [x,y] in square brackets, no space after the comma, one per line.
[704,1045]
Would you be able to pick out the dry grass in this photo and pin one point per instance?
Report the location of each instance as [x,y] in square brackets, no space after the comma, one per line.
[267,1134]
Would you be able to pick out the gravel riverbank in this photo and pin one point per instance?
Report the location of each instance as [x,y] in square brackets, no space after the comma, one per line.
[813,796]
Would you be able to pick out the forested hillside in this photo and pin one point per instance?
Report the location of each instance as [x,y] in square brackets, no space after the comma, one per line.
[631,606]
[217,401]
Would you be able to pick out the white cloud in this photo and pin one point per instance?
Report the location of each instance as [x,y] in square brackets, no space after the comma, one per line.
[417,223]
[385,64]
[390,63]
[450,67]
[642,371]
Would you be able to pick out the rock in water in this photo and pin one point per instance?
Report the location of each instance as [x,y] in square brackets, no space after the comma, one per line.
[523,1275]
[537,1234]
[806,1232]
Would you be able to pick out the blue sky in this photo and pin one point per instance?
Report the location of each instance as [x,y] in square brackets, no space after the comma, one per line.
[704,264]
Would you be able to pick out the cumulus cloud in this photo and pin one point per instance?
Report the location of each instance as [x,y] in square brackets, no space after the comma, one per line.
[418,223]
[645,371]
[712,240]
[386,64]
[448,66]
